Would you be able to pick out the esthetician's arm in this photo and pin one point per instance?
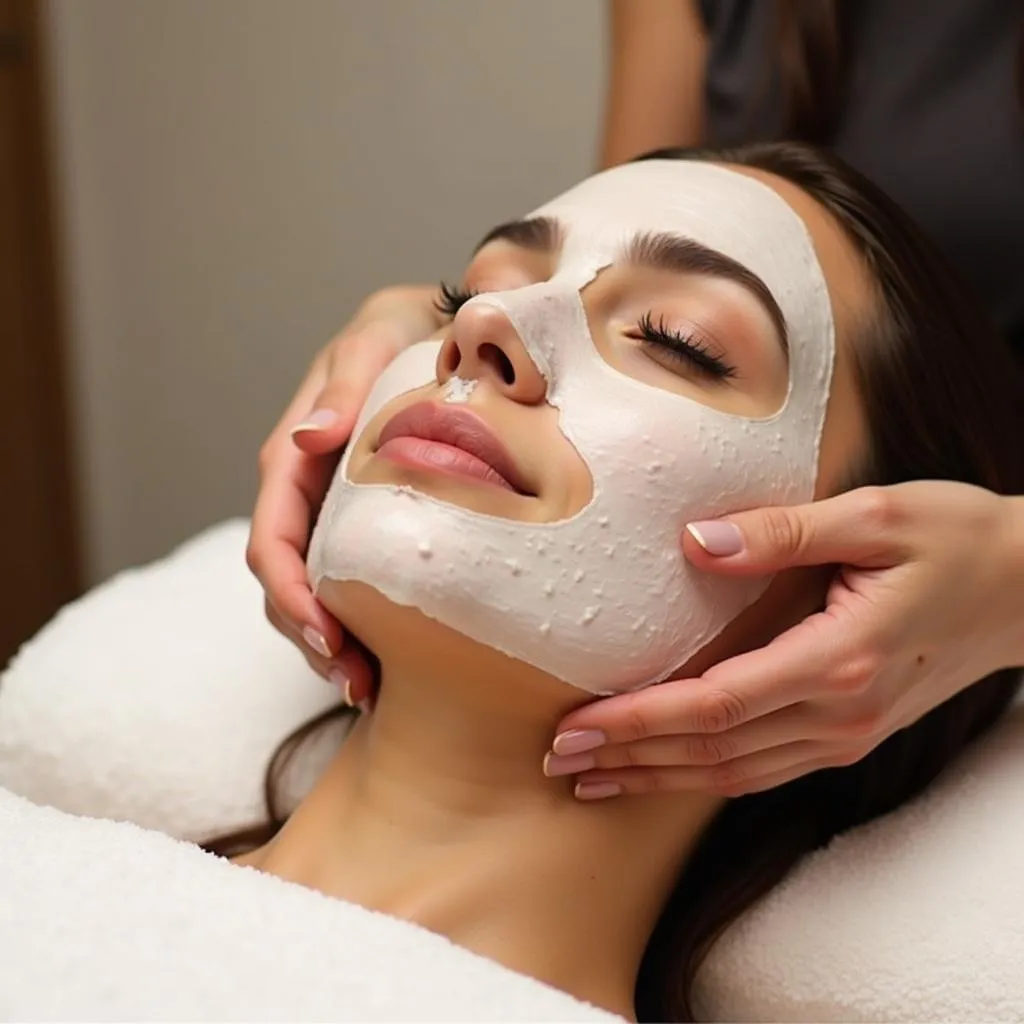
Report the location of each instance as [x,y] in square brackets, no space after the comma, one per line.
[655,93]
[929,598]
[296,466]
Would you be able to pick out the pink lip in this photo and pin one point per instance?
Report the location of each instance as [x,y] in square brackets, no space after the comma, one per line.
[452,441]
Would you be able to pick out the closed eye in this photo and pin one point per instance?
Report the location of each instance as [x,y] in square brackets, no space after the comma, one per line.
[451,298]
[682,348]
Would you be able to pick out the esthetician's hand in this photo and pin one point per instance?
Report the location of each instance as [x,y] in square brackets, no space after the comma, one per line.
[298,460]
[929,598]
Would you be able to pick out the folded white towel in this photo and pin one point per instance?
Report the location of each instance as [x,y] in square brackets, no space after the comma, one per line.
[159,697]
[917,916]
[106,921]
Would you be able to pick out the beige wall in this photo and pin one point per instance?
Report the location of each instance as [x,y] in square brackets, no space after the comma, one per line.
[234,175]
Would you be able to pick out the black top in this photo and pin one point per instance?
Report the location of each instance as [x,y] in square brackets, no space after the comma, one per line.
[931,115]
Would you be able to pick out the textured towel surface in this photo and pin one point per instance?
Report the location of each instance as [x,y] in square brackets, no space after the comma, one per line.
[158,698]
[918,916]
[106,921]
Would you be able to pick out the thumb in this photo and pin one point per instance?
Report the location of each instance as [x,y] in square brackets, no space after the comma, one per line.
[851,529]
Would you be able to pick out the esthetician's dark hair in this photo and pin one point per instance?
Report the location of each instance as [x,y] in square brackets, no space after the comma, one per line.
[943,400]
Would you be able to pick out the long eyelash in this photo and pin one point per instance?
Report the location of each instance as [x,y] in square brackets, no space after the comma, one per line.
[684,347]
[452,298]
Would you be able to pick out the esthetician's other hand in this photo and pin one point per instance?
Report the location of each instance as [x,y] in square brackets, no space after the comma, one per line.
[298,460]
[928,598]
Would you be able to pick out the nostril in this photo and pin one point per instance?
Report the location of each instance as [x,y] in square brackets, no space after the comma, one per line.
[450,359]
[497,360]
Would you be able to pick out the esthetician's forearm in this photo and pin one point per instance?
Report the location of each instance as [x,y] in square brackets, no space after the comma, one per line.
[655,92]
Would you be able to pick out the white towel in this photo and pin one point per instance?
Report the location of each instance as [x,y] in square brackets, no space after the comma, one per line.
[107,921]
[916,917]
[158,697]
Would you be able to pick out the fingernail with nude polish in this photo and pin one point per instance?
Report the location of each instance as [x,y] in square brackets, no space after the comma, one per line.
[576,741]
[316,641]
[597,790]
[555,765]
[319,419]
[717,537]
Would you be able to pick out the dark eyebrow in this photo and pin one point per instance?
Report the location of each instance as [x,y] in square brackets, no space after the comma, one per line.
[685,256]
[538,233]
[659,251]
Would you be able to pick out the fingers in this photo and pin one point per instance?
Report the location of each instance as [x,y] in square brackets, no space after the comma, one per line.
[789,725]
[351,370]
[751,774]
[321,664]
[670,709]
[279,531]
[292,489]
[864,527]
[295,470]
[389,322]
[823,658]
[349,671]
[293,485]
[736,691]
[326,427]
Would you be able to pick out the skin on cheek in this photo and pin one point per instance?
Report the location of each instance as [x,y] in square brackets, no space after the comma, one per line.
[701,314]
[844,437]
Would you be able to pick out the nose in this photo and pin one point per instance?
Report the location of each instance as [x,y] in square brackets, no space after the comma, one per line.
[483,345]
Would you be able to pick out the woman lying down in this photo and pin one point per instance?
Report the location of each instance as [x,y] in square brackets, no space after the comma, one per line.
[671,340]
[677,338]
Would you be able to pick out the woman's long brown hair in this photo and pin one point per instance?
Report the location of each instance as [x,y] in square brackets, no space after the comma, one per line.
[811,55]
[943,401]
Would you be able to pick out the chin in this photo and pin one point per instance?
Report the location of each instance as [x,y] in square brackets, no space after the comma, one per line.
[403,637]
[373,619]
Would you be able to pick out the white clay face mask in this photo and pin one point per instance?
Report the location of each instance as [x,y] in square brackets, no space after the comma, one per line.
[605,600]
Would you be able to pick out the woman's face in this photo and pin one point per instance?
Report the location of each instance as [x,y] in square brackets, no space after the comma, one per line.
[654,347]
[680,321]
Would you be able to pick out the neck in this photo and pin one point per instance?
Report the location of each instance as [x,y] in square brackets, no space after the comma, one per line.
[455,827]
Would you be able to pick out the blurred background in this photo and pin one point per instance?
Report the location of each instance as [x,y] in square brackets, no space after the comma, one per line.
[195,195]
